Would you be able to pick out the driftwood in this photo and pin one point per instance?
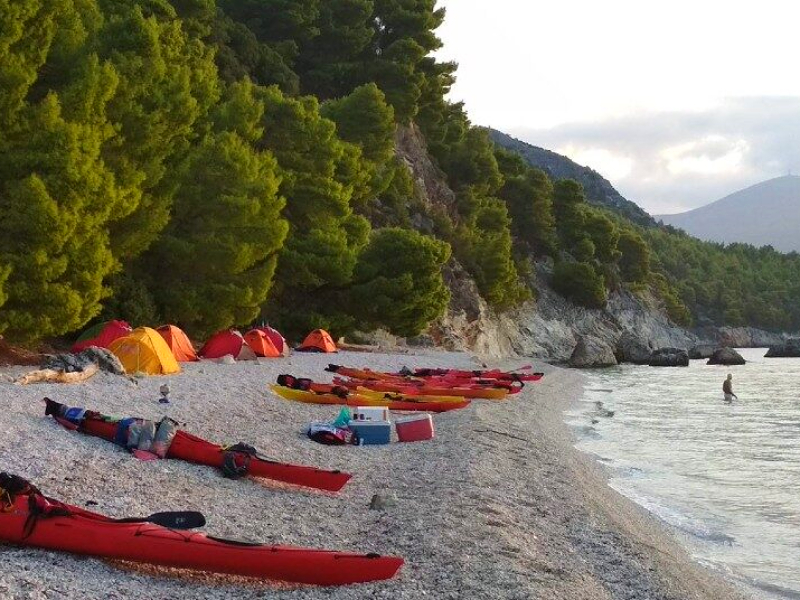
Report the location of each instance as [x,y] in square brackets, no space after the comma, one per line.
[57,376]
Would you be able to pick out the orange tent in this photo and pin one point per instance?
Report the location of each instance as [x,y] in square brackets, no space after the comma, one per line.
[318,340]
[261,344]
[276,338]
[178,342]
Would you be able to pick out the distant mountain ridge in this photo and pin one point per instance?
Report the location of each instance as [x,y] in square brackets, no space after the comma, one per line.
[598,189]
[765,214]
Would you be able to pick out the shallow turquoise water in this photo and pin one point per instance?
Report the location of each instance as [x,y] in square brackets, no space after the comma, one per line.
[726,476]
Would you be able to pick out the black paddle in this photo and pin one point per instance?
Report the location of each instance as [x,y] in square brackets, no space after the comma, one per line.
[187,519]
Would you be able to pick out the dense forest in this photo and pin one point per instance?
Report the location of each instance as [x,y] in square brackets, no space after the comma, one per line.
[215,162]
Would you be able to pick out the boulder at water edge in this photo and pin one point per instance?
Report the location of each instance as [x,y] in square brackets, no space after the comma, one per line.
[591,352]
[788,349]
[669,357]
[726,356]
[702,351]
[633,349]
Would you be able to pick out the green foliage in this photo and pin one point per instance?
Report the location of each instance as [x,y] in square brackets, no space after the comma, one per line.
[213,266]
[320,177]
[604,234]
[634,263]
[167,82]
[363,118]
[332,63]
[398,282]
[56,200]
[132,301]
[568,207]
[579,282]
[471,164]
[483,245]
[528,193]
[756,286]
[676,309]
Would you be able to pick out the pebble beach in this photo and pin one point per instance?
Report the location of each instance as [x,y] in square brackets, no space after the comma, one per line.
[498,505]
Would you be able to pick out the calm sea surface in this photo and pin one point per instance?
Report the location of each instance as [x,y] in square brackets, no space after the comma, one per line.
[726,476]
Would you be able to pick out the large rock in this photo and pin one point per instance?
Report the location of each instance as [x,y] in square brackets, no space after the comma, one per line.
[72,363]
[739,337]
[701,351]
[591,352]
[633,349]
[669,357]
[788,349]
[726,356]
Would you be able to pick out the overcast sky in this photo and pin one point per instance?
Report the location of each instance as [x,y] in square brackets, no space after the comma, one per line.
[678,104]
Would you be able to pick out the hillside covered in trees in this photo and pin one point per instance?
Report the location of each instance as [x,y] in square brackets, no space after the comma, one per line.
[215,162]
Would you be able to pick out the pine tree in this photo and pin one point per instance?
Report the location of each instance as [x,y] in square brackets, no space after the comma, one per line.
[398,282]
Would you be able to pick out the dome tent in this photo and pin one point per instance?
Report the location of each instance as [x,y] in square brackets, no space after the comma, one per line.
[145,351]
[318,340]
[101,335]
[277,339]
[261,344]
[178,342]
[228,341]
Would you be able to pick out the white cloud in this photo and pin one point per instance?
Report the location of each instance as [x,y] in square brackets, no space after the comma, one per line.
[611,165]
[711,155]
[683,159]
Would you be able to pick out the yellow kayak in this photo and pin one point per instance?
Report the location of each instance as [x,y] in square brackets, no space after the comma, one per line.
[357,399]
[362,391]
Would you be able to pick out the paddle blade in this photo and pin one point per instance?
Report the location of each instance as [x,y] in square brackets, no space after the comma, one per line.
[180,519]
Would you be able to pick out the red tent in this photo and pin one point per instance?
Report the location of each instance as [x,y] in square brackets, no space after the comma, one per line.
[276,338]
[260,343]
[226,342]
[101,335]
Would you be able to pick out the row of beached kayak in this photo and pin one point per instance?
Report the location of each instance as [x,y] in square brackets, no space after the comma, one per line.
[28,517]
[430,390]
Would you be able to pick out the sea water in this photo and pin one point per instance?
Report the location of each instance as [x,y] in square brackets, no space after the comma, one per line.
[725,476]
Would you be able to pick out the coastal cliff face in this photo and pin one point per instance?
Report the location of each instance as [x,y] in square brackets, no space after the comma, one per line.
[549,327]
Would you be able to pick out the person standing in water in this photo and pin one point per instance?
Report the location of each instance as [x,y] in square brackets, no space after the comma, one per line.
[727,389]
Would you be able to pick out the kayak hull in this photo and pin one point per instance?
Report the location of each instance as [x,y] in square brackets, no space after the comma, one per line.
[190,448]
[427,390]
[354,399]
[91,534]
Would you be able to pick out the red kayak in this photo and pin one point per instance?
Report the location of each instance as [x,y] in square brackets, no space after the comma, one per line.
[30,519]
[495,374]
[190,448]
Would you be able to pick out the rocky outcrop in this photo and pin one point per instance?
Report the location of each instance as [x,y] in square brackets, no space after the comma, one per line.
[669,357]
[590,353]
[739,337]
[788,349]
[73,363]
[701,351]
[633,349]
[726,356]
[429,179]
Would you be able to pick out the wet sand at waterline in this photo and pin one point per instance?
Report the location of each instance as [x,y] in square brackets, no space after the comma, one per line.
[499,505]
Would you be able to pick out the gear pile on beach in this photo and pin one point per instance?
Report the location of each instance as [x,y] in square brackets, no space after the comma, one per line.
[29,518]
